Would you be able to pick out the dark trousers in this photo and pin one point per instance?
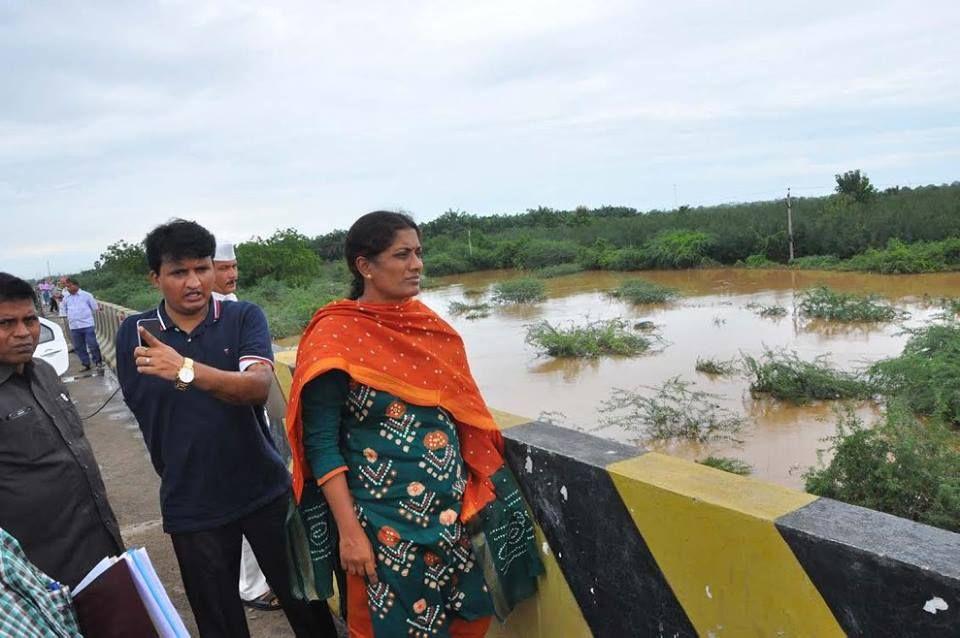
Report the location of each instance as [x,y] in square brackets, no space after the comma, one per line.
[210,567]
[84,338]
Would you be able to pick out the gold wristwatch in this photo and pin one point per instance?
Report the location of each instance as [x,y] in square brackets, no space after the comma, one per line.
[185,375]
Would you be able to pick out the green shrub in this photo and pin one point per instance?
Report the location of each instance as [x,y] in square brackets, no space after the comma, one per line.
[290,308]
[286,256]
[540,253]
[728,464]
[716,367]
[927,373]
[815,262]
[824,303]
[759,261]
[623,259]
[670,411]
[641,291]
[439,264]
[902,258]
[678,249]
[559,270]
[610,336]
[903,466]
[523,290]
[783,375]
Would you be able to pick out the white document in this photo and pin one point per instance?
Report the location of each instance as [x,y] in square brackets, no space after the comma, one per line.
[173,621]
[91,576]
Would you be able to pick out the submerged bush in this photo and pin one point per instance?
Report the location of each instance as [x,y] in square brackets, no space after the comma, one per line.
[824,303]
[728,464]
[471,310]
[525,290]
[926,375]
[770,312]
[607,336]
[716,367]
[783,375]
[670,411]
[903,466]
[641,291]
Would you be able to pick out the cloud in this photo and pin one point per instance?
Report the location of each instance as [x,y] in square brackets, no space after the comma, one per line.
[250,116]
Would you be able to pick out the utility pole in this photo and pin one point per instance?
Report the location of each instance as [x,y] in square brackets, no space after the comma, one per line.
[790,222]
[469,243]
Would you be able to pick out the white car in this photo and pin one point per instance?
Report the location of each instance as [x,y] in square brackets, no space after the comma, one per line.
[53,346]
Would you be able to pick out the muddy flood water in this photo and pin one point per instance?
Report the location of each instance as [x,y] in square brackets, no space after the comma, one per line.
[780,440]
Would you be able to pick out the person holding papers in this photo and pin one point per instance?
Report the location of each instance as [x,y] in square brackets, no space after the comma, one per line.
[52,498]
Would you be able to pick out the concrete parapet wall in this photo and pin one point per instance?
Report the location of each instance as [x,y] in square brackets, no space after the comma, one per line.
[642,544]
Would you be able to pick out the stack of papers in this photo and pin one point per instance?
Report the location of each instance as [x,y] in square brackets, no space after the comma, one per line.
[123,596]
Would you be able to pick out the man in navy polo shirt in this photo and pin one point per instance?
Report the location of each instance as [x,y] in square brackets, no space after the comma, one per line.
[196,374]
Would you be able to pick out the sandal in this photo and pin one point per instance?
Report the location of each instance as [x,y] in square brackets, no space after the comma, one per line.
[266,602]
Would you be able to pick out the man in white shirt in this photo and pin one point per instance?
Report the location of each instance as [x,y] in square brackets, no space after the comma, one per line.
[254,590]
[79,307]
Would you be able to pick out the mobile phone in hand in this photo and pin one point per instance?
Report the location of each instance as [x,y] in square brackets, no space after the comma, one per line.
[153,326]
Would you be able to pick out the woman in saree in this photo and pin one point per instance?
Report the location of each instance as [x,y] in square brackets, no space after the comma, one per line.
[391,439]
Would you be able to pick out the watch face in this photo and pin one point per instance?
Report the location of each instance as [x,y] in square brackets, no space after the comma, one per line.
[185,375]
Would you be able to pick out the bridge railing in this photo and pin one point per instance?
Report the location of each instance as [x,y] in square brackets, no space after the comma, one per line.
[641,544]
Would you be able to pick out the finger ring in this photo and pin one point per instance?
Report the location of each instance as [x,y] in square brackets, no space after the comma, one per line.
[148,360]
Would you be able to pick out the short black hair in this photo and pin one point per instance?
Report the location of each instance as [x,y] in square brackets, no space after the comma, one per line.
[368,237]
[72,280]
[178,239]
[15,289]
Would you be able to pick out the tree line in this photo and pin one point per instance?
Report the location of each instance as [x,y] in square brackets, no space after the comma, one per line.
[857,227]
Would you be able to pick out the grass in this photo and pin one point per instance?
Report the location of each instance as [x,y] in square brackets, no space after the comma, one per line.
[728,464]
[824,303]
[641,291]
[474,292]
[289,308]
[927,373]
[603,337]
[670,411]
[769,312]
[524,290]
[903,466]
[558,270]
[716,367]
[783,375]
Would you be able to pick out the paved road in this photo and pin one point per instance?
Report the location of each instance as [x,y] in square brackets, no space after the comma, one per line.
[133,489]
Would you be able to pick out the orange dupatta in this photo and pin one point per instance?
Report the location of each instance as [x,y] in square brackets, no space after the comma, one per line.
[408,350]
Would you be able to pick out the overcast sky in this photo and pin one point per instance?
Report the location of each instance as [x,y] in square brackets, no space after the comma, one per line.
[249,116]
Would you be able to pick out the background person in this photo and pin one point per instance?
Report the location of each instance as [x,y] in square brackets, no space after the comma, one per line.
[197,392]
[385,417]
[225,273]
[79,307]
[52,498]
[254,590]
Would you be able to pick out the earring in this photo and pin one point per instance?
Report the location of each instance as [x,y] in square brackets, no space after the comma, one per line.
[369,276]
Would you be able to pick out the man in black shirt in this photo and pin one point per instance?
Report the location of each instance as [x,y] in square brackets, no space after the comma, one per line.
[196,373]
[52,497]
